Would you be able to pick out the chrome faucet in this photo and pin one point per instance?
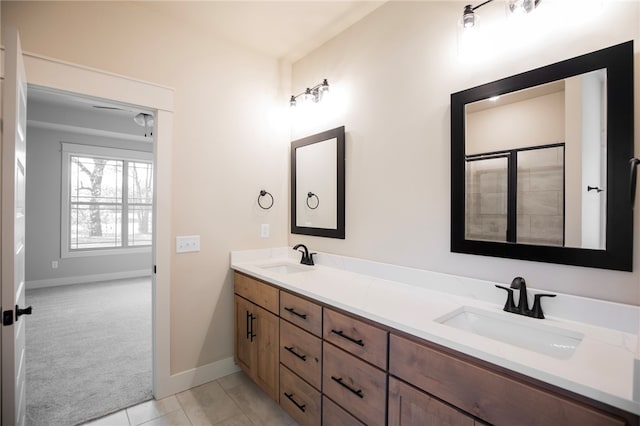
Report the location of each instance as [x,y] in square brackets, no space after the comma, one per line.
[307,258]
[519,283]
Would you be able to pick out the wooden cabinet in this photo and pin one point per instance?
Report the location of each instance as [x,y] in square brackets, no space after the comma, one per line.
[301,352]
[301,400]
[257,292]
[356,337]
[484,393]
[301,312]
[330,367]
[257,334]
[334,415]
[410,407]
[354,366]
[301,359]
[359,387]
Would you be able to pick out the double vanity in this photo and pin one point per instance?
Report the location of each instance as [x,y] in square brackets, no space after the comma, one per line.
[349,341]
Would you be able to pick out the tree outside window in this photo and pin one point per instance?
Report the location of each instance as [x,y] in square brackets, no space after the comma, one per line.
[109,201]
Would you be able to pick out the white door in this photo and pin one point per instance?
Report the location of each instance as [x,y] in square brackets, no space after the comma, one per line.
[13,235]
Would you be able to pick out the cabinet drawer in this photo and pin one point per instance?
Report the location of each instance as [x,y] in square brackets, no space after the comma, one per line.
[299,399]
[360,387]
[356,337]
[334,415]
[486,394]
[301,312]
[301,352]
[256,291]
[410,407]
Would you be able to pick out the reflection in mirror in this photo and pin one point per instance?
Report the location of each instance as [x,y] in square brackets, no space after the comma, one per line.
[313,184]
[516,173]
[317,184]
[540,163]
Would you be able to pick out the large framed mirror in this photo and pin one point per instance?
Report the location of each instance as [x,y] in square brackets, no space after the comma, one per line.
[317,184]
[540,163]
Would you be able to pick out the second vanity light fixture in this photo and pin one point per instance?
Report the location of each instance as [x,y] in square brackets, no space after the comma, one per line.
[513,6]
[314,93]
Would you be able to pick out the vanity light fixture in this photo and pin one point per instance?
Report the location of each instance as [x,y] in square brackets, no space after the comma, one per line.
[314,93]
[469,16]
[522,6]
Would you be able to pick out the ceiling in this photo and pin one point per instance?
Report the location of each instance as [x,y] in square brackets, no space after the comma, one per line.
[281,29]
[285,30]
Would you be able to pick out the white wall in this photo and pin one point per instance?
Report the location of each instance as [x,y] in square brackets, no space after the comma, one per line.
[393,73]
[227,145]
[43,219]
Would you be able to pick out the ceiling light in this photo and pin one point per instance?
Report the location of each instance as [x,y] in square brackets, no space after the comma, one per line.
[145,120]
[314,93]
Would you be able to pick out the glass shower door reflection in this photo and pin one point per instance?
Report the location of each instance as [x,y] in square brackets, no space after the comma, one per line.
[486,204]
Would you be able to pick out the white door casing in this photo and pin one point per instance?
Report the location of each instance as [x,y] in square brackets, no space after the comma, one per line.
[13,231]
[59,76]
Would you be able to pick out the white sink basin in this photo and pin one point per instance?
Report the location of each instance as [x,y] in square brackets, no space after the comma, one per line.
[519,331]
[285,268]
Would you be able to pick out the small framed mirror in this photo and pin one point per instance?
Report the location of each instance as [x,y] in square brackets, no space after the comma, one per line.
[317,184]
[540,163]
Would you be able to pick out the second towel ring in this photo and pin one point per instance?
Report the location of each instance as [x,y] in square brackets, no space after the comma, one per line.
[262,194]
[312,195]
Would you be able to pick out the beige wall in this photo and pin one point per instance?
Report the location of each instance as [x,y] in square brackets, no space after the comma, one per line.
[226,145]
[395,71]
[533,122]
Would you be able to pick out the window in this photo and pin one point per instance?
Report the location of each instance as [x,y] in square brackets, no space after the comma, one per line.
[107,200]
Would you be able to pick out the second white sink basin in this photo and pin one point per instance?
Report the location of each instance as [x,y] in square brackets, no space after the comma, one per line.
[519,331]
[285,268]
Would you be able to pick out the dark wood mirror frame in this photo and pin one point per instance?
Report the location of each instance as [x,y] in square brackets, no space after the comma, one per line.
[618,254]
[338,232]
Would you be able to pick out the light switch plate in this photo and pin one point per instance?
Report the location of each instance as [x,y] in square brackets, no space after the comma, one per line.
[187,243]
[264,230]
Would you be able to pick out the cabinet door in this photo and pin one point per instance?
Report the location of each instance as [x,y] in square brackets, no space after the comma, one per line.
[267,331]
[244,355]
[410,407]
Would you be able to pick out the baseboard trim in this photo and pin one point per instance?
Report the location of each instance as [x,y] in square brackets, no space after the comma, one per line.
[80,279]
[197,376]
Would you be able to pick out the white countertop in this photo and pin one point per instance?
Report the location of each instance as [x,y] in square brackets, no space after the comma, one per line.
[409,300]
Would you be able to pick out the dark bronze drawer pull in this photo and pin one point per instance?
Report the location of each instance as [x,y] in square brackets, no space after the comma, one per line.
[340,333]
[290,349]
[339,380]
[293,311]
[290,397]
[251,318]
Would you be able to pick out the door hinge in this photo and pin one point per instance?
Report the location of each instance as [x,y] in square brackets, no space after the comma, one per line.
[155,269]
[7,317]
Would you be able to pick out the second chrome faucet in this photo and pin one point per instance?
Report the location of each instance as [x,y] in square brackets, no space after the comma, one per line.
[522,308]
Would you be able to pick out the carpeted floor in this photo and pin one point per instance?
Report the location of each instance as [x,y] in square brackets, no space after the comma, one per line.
[88,350]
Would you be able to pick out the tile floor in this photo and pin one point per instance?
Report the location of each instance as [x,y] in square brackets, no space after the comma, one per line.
[233,400]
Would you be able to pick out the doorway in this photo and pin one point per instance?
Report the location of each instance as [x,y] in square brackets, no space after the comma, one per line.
[63,76]
[88,263]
